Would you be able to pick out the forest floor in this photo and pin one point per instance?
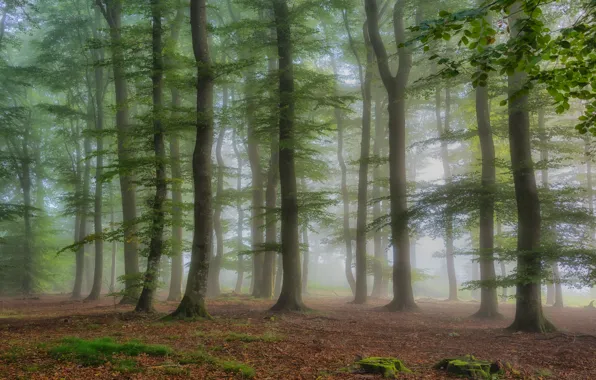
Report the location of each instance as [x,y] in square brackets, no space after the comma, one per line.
[320,344]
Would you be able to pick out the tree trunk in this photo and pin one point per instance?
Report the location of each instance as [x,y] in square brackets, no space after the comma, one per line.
[290,297]
[279,275]
[379,253]
[240,223]
[403,296]
[528,313]
[177,269]
[97,214]
[112,11]
[488,293]
[25,182]
[193,302]
[345,195]
[361,291]
[113,271]
[213,289]
[270,203]
[156,244]
[305,258]
[442,132]
[177,214]
[589,191]
[80,255]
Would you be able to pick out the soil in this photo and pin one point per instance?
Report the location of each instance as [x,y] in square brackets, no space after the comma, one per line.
[320,344]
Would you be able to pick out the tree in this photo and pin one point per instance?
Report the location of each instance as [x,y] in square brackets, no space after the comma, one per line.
[528,308]
[290,297]
[193,302]
[112,12]
[488,293]
[403,296]
[361,292]
[97,211]
[156,244]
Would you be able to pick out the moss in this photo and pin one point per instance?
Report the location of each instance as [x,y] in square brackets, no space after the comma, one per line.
[470,367]
[101,350]
[388,367]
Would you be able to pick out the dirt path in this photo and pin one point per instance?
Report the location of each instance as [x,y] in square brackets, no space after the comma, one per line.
[319,344]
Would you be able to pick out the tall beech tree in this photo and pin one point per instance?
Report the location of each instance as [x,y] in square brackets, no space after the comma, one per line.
[528,308]
[112,12]
[395,85]
[193,302]
[290,297]
[156,244]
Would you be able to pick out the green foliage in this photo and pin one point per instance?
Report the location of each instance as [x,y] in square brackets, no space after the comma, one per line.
[388,367]
[98,351]
[244,337]
[470,367]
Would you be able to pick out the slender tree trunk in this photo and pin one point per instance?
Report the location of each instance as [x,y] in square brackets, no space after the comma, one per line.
[379,253]
[25,182]
[97,214]
[279,275]
[442,132]
[361,291]
[156,244]
[80,253]
[270,201]
[240,223]
[528,313]
[193,302]
[305,258]
[488,294]
[113,271]
[177,269]
[290,297]
[84,207]
[403,296]
[177,214]
[589,191]
[112,11]
[213,289]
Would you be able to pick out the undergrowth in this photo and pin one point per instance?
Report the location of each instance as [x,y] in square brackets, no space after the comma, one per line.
[98,351]
[230,366]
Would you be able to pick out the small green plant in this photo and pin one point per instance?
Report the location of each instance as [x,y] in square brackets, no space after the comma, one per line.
[231,366]
[543,372]
[126,366]
[98,351]
[237,367]
[13,354]
[243,337]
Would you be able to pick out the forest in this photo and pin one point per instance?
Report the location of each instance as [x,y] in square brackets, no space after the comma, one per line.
[297,189]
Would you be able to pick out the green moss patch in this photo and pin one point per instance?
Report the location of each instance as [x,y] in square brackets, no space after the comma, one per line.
[388,367]
[470,367]
[99,351]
